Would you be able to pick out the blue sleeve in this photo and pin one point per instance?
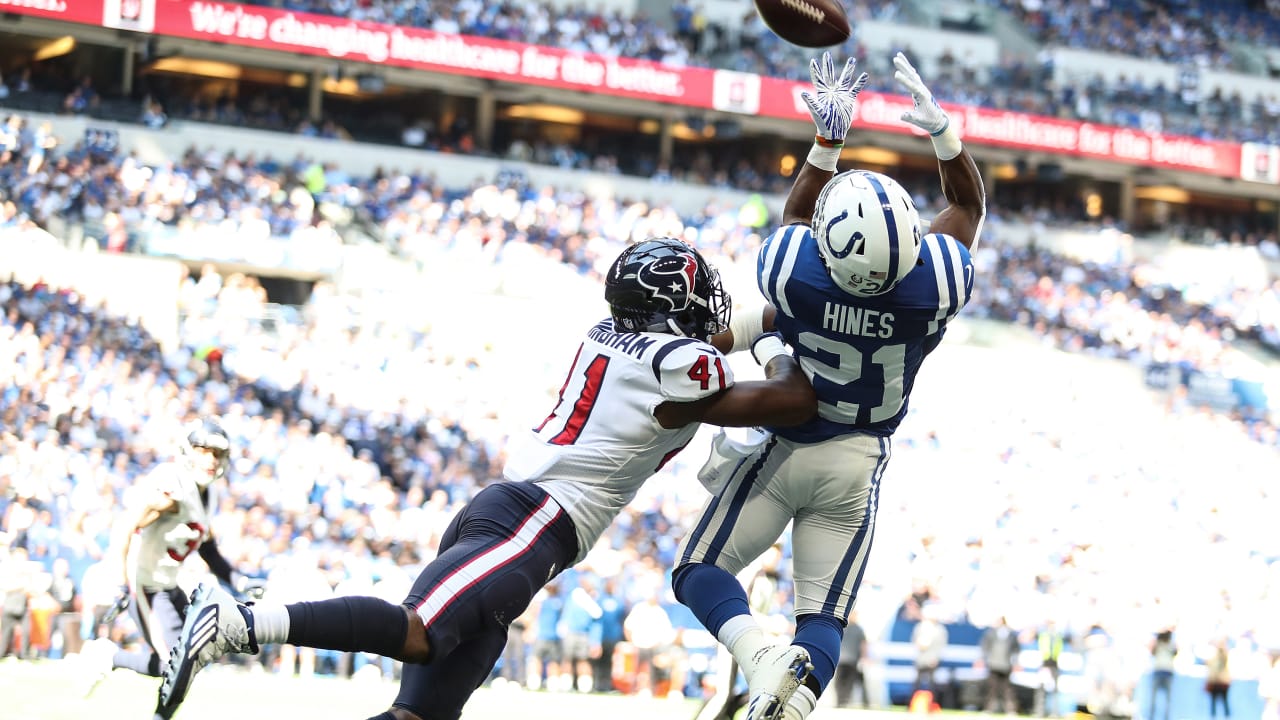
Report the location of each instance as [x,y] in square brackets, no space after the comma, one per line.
[771,259]
[596,632]
[947,283]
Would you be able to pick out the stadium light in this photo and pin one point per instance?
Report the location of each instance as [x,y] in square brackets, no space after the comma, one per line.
[55,48]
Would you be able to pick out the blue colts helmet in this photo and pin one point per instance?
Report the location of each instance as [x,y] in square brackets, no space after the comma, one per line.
[868,232]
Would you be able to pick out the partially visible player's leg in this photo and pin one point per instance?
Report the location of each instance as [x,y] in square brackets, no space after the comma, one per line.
[439,690]
[495,555]
[152,611]
[831,541]
[737,525]
[515,539]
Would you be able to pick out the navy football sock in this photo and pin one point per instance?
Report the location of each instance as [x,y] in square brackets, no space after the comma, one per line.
[350,624]
[820,635]
[714,595]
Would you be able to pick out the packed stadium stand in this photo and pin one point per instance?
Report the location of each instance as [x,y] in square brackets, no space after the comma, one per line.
[371,320]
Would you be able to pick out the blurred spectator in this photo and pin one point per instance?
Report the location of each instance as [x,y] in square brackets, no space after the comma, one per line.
[1163,652]
[547,669]
[582,633]
[17,583]
[1218,679]
[1050,643]
[649,631]
[614,609]
[929,637]
[1000,648]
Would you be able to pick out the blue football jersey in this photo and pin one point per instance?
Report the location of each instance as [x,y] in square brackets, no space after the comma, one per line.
[861,354]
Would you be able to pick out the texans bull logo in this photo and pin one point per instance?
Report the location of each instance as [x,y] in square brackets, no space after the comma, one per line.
[670,279]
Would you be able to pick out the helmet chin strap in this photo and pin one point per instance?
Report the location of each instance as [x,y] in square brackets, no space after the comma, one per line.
[675,328]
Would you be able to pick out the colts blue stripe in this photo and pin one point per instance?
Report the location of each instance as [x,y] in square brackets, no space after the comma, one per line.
[873,503]
[948,268]
[704,521]
[771,293]
[851,553]
[735,508]
[887,207]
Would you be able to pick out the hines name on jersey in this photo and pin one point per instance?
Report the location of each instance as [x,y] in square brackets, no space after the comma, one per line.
[861,354]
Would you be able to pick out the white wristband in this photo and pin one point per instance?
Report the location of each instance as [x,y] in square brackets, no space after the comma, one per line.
[767,347]
[746,326]
[946,144]
[824,158]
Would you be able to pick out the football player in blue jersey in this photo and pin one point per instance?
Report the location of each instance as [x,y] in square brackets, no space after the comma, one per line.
[862,296]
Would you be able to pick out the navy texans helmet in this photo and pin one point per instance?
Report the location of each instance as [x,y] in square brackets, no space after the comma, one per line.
[208,435]
[663,285]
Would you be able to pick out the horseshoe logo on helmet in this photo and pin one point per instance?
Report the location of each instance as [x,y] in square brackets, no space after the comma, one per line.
[854,245]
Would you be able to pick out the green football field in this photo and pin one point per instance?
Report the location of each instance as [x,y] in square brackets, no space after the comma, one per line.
[48,691]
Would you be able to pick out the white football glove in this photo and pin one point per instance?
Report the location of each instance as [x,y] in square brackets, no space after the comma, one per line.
[831,103]
[926,114]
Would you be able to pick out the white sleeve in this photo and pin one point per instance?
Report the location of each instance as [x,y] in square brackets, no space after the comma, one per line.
[691,371]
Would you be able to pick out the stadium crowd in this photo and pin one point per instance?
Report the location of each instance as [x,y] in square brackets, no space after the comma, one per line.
[356,442]
[1177,32]
[1191,38]
[343,480]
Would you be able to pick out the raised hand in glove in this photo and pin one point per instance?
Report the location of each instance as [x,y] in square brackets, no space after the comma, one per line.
[926,114]
[831,102]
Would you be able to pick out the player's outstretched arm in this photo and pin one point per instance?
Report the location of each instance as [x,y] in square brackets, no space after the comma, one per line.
[217,562]
[746,325]
[961,181]
[783,398]
[831,107]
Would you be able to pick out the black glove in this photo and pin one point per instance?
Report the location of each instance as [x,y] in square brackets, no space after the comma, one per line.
[119,605]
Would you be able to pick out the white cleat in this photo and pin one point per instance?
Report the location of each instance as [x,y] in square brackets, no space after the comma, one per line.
[214,627]
[96,659]
[773,676]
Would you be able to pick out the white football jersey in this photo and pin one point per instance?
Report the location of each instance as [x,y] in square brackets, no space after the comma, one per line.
[601,442]
[162,546]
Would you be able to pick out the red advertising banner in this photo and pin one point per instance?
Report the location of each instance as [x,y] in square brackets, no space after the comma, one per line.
[416,48]
[744,93]
[88,12]
[878,111]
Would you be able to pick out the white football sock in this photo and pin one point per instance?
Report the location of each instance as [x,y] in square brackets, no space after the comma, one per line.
[743,636]
[270,623]
[801,704]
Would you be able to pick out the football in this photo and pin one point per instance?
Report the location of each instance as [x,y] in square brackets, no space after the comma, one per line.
[807,23]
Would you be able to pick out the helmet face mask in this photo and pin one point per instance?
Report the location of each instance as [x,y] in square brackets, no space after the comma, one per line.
[206,452]
[868,232]
[663,285]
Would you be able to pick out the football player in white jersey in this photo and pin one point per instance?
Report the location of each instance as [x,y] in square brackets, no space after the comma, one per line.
[168,519]
[639,385]
[862,296]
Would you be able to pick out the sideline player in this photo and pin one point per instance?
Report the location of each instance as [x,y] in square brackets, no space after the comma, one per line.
[170,521]
[640,384]
[863,297]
